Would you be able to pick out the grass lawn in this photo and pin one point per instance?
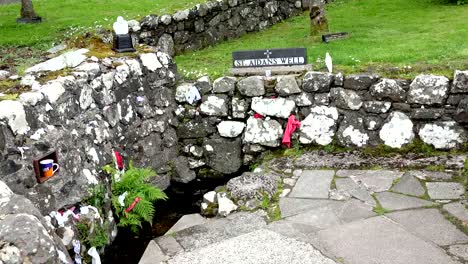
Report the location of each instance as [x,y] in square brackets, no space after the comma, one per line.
[64,17]
[392,37]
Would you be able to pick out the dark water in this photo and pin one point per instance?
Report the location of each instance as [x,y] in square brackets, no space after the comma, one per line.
[183,199]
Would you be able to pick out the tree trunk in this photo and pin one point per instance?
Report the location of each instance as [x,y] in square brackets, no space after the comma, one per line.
[27,9]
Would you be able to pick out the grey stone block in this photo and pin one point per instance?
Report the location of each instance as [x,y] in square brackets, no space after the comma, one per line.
[409,185]
[313,184]
[445,190]
[395,201]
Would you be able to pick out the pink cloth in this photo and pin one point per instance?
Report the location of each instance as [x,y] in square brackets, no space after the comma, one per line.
[258,116]
[293,124]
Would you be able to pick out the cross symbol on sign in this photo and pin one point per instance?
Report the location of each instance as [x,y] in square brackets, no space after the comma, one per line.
[268,53]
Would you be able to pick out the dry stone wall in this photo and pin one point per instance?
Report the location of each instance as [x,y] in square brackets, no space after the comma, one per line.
[212,22]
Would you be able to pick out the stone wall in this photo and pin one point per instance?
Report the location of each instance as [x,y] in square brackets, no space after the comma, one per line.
[211,22]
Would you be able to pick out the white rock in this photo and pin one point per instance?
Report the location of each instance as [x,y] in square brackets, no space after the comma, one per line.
[150,61]
[209,197]
[134,25]
[92,69]
[278,107]
[230,129]
[12,112]
[69,59]
[52,91]
[86,98]
[166,19]
[225,205]
[182,91]
[68,235]
[214,105]
[443,135]
[5,190]
[122,72]
[135,67]
[397,131]
[31,98]
[181,15]
[37,135]
[266,133]
[4,74]
[357,138]
[319,126]
[90,177]
[27,80]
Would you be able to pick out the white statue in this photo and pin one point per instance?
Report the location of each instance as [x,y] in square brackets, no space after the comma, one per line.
[329,62]
[121,26]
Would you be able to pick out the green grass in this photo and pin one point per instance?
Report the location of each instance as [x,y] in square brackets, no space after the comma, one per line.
[428,35]
[62,18]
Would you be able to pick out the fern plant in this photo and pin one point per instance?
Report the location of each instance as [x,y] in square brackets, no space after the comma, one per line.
[134,182]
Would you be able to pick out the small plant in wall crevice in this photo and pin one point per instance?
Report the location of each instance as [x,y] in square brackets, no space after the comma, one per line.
[133,197]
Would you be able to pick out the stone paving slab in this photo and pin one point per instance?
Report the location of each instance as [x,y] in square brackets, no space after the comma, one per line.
[153,254]
[259,247]
[347,185]
[457,210]
[431,225]
[395,201]
[187,221]
[378,240]
[431,175]
[373,180]
[353,210]
[318,218]
[460,251]
[410,185]
[293,206]
[445,190]
[313,184]
[168,245]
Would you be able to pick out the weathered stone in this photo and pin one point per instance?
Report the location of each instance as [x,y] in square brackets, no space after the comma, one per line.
[373,180]
[225,205]
[169,245]
[4,75]
[409,185]
[224,84]
[12,112]
[185,222]
[313,184]
[182,172]
[428,90]
[223,155]
[293,206]
[322,99]
[460,82]
[319,126]
[266,133]
[277,107]
[457,210]
[230,129]
[318,218]
[166,45]
[427,114]
[373,123]
[445,190]
[394,201]
[52,91]
[203,84]
[377,107]
[346,99]
[287,85]
[239,107]
[150,61]
[153,254]
[352,132]
[31,98]
[317,82]
[397,130]
[304,99]
[354,189]
[359,81]
[195,129]
[215,105]
[443,135]
[251,86]
[252,186]
[183,92]
[69,59]
[388,89]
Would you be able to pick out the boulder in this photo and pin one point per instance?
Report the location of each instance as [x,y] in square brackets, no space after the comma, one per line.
[287,85]
[264,132]
[203,84]
[388,89]
[352,132]
[443,135]
[304,99]
[215,105]
[397,130]
[250,186]
[166,45]
[230,129]
[377,107]
[346,99]
[239,107]
[359,81]
[150,61]
[319,126]
[277,107]
[69,59]
[317,82]
[251,86]
[223,155]
[224,84]
[460,82]
[428,90]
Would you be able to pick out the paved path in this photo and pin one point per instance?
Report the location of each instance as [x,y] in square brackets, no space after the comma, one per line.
[343,216]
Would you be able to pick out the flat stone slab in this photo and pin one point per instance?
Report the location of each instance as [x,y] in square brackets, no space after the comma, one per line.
[262,246]
[153,254]
[318,218]
[460,251]
[430,175]
[430,224]
[185,222]
[353,210]
[410,185]
[313,184]
[293,206]
[395,201]
[168,245]
[373,180]
[457,210]
[349,186]
[445,190]
[378,240]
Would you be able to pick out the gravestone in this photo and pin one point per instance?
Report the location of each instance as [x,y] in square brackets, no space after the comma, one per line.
[254,62]
[318,20]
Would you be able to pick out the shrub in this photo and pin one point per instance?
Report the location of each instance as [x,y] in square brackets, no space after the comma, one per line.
[134,183]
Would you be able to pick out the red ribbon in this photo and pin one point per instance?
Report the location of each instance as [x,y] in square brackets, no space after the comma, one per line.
[130,208]
[258,116]
[292,125]
[118,160]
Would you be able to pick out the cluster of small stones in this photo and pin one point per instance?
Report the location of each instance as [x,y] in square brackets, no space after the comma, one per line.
[211,22]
